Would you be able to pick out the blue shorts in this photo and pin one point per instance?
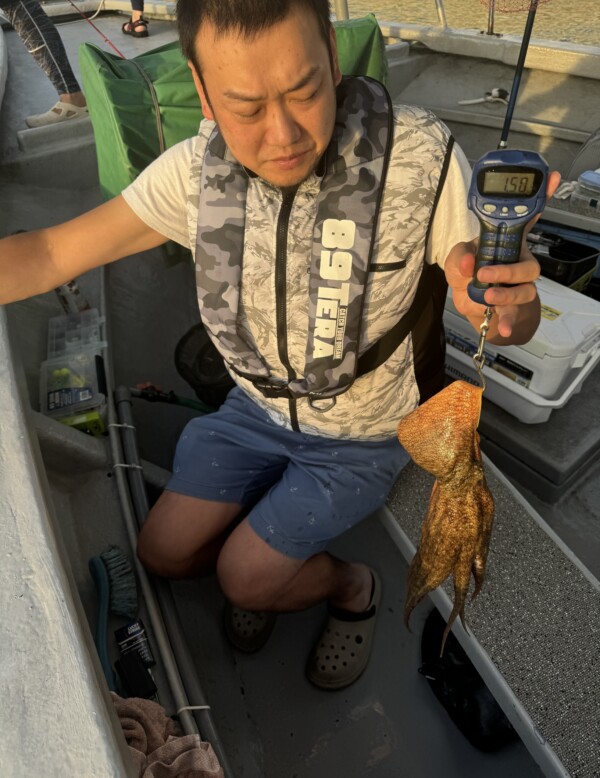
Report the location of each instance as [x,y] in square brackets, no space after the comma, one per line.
[302,490]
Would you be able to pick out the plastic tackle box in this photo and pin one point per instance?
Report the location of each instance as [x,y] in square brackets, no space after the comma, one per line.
[72,383]
[529,381]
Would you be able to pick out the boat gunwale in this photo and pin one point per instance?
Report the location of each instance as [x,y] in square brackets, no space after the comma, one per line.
[576,59]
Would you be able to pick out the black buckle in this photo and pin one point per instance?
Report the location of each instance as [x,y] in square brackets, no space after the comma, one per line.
[273,391]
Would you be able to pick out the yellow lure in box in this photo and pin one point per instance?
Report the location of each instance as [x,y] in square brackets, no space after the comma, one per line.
[90,422]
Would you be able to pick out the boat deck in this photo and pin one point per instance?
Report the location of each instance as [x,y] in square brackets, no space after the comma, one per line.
[533,629]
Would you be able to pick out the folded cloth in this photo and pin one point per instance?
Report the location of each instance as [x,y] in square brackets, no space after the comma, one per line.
[145,723]
[183,757]
[157,747]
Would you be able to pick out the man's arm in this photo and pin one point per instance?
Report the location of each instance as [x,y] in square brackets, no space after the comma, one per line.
[36,262]
[516,308]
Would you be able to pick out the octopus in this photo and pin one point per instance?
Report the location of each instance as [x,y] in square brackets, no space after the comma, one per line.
[441,437]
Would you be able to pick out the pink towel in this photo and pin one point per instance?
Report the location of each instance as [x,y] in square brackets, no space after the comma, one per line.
[158,748]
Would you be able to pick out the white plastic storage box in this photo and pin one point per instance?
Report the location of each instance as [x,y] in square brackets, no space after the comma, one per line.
[530,381]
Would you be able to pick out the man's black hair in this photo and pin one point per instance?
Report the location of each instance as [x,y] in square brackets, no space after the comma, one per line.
[247,17]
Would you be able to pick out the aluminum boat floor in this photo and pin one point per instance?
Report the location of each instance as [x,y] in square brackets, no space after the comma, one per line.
[387,724]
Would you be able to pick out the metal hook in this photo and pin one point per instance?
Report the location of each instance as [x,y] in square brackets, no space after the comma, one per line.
[478,356]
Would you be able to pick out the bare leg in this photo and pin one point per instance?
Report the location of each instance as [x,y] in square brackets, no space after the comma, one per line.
[73,98]
[256,577]
[137,9]
[185,536]
[182,536]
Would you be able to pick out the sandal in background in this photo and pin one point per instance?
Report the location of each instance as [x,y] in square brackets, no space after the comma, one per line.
[131,27]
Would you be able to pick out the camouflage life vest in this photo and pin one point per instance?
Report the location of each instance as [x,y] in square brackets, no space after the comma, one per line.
[344,231]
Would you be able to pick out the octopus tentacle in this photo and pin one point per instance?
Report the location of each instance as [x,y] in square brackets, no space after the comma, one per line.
[441,436]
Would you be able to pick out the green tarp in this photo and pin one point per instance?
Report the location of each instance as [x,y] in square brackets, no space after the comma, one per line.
[141,106]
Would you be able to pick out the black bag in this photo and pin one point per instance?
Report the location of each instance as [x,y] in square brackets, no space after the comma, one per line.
[461,690]
[200,364]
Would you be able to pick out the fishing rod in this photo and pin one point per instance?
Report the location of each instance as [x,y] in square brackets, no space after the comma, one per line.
[518,72]
[508,188]
[100,33]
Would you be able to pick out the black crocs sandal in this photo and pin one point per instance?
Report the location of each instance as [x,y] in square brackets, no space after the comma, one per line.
[248,631]
[130,28]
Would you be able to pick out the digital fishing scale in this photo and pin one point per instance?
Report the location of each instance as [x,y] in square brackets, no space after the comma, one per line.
[508,188]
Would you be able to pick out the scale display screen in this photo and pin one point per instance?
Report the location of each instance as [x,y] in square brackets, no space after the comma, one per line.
[509,183]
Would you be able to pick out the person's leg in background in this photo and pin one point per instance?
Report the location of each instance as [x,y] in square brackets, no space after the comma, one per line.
[43,42]
[137,25]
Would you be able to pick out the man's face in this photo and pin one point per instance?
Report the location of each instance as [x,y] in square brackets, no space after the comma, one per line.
[272,96]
